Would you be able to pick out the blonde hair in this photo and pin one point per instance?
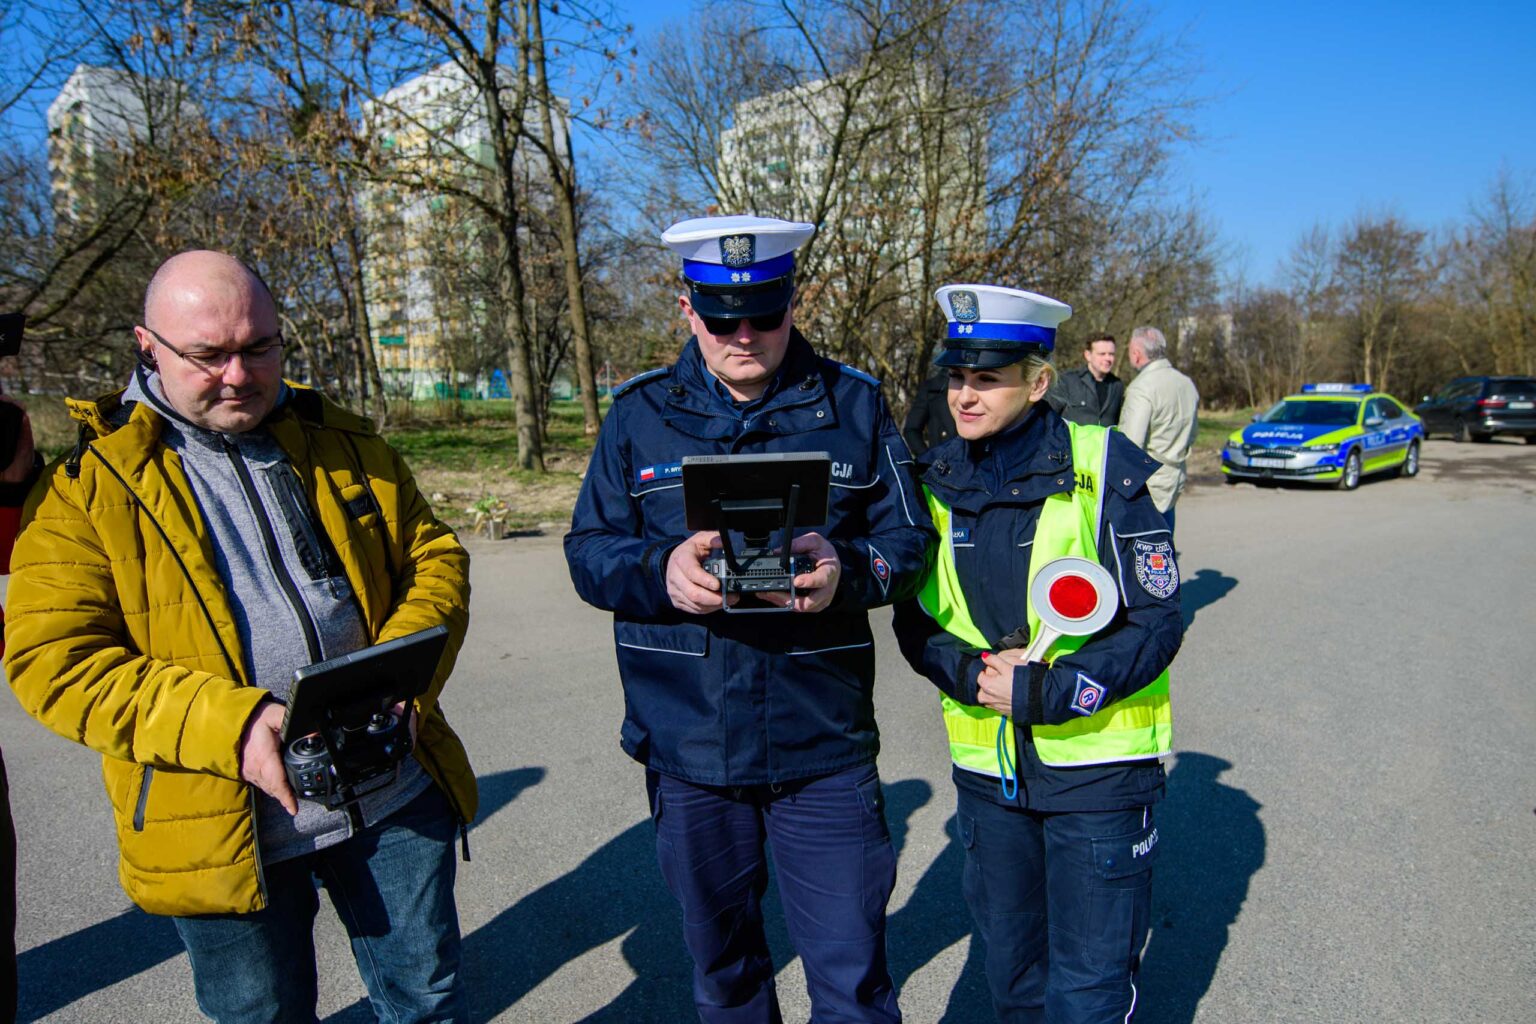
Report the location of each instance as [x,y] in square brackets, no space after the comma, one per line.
[1033,367]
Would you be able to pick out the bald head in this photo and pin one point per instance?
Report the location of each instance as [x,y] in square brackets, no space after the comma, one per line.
[211,332]
[202,276]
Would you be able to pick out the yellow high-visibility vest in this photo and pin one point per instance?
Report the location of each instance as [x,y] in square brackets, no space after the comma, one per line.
[1136,728]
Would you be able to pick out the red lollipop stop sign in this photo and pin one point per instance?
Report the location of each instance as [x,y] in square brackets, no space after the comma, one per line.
[1073,597]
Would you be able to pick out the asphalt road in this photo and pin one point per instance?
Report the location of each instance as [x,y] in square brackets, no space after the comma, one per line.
[1348,834]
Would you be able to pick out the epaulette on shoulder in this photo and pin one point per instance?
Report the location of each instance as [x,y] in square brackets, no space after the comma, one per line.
[858,375]
[639,378]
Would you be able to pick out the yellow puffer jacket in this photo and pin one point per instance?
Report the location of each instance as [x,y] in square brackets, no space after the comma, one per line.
[120,635]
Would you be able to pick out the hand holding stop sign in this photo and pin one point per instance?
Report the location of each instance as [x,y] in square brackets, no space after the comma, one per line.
[1072,597]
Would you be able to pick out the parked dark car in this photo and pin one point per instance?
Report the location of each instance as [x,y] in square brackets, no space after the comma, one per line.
[1480,408]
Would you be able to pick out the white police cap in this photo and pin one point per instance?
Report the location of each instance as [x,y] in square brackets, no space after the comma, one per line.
[738,266]
[990,326]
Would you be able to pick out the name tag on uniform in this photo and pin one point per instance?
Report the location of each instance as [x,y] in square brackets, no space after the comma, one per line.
[960,535]
[646,474]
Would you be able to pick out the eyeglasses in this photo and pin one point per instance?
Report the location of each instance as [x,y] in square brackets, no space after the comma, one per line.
[729,324]
[261,352]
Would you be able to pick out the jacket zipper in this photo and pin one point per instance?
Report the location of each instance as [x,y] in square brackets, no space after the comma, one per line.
[284,579]
[138,810]
[274,556]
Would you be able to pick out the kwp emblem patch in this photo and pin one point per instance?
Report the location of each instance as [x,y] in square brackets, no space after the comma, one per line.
[646,474]
[738,250]
[1156,570]
[1088,697]
[881,569]
[963,305]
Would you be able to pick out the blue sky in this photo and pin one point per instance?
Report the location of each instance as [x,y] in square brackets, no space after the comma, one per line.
[1320,111]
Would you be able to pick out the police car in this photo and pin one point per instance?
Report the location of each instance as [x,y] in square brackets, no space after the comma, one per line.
[1330,434]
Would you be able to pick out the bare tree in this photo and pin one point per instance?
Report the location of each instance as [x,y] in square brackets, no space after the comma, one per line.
[1379,269]
[1023,143]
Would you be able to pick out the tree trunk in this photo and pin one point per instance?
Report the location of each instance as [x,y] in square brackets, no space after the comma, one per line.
[562,179]
[372,385]
[530,450]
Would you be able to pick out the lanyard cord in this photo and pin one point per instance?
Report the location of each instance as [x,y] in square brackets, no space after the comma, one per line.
[1005,766]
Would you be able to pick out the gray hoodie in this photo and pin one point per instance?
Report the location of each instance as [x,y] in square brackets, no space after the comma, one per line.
[293,605]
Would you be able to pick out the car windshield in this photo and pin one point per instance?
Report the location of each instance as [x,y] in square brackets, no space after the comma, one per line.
[1331,414]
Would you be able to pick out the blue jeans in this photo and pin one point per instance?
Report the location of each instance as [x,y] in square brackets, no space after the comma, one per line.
[392,887]
[835,865]
[1063,903]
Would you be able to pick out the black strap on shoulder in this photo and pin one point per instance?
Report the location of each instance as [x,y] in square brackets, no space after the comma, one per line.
[82,440]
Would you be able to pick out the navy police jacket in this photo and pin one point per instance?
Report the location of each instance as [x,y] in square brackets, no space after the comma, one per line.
[996,487]
[729,699]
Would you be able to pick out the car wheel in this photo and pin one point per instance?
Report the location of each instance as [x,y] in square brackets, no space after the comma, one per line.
[1481,438]
[1410,465]
[1462,434]
[1351,477]
[1530,438]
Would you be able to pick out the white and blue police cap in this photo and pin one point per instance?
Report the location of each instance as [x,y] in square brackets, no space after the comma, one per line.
[991,326]
[738,266]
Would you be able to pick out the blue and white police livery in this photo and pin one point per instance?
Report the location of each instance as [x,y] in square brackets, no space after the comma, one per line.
[754,726]
[1330,434]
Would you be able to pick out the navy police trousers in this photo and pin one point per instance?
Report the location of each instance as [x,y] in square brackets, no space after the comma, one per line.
[1063,902]
[835,867]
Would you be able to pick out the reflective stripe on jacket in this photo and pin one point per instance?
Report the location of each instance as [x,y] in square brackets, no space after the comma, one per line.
[1137,727]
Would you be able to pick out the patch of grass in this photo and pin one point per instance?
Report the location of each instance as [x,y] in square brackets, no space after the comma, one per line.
[460,461]
[1216,425]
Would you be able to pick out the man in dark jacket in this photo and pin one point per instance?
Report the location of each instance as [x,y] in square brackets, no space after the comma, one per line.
[756,727]
[929,422]
[1090,394]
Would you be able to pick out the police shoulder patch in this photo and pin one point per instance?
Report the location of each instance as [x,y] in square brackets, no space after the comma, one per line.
[1156,570]
[1088,695]
[880,569]
[640,378]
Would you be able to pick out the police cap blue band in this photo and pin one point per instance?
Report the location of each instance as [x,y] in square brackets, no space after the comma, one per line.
[1027,333]
[700,272]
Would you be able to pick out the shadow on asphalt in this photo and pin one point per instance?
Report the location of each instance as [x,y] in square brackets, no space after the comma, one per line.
[1213,844]
[500,788]
[73,966]
[935,917]
[55,974]
[1205,587]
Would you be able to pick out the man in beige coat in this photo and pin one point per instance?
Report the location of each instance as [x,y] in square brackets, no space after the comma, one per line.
[1159,414]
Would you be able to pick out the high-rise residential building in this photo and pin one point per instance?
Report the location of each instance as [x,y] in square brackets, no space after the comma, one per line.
[430,251]
[98,117]
[909,179]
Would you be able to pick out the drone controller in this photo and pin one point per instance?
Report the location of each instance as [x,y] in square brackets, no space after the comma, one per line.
[348,760]
[758,572]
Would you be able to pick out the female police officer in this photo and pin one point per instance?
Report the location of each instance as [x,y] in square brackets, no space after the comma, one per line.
[1056,761]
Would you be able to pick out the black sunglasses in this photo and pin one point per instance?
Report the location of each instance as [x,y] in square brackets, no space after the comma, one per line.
[729,324]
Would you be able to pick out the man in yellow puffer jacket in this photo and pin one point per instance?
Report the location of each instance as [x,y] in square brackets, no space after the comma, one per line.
[214,529]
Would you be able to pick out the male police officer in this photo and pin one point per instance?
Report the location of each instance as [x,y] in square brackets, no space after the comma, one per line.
[755,726]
